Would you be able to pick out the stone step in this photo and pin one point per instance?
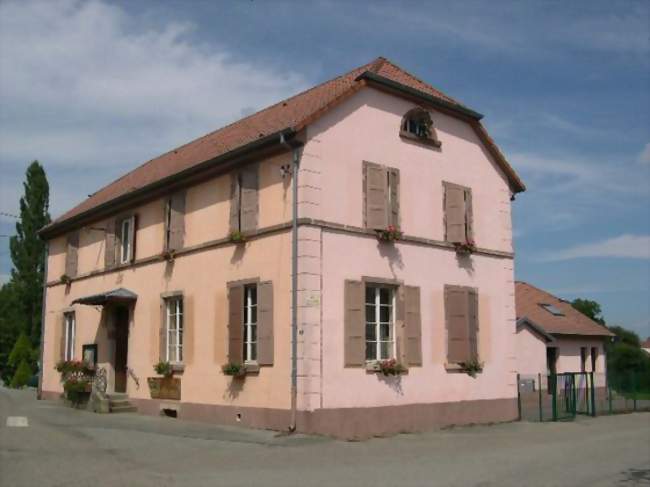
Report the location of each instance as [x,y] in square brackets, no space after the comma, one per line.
[121,402]
[118,396]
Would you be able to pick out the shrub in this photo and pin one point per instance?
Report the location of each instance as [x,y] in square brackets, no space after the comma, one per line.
[472,367]
[21,351]
[22,375]
[237,237]
[76,389]
[163,368]
[233,369]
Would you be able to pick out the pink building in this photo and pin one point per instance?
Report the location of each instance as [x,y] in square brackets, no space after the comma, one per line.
[376,221]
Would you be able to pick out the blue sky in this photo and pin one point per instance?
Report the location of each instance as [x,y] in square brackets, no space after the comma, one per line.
[92,89]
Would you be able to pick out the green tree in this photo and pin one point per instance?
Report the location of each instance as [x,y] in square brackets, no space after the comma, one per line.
[28,251]
[10,328]
[626,336]
[22,375]
[589,308]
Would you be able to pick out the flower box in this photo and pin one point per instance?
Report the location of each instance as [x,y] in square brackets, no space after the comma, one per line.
[465,248]
[234,370]
[237,237]
[389,234]
[387,367]
[164,388]
[471,367]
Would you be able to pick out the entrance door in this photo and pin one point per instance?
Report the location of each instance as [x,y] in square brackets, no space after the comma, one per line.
[121,347]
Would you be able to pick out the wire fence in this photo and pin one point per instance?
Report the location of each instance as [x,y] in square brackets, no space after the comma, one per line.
[563,396]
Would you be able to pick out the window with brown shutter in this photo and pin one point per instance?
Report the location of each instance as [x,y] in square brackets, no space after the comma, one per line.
[124,240]
[381,196]
[265,323]
[244,200]
[175,221]
[109,244]
[235,323]
[458,213]
[461,310]
[354,324]
[71,256]
[413,325]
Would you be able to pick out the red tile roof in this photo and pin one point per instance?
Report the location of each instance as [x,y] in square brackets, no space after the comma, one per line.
[294,113]
[528,300]
[646,343]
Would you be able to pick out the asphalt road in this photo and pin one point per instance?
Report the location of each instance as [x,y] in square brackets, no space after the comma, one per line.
[64,447]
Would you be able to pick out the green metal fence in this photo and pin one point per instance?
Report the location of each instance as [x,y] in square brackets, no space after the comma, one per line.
[561,397]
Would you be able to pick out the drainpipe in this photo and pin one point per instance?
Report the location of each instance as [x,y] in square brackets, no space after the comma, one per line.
[294,146]
[39,390]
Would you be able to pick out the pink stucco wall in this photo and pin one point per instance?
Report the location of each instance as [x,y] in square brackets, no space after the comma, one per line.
[531,353]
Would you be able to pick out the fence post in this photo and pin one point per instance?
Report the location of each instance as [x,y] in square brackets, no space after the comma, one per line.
[574,395]
[539,382]
[553,380]
[593,395]
[609,396]
[518,400]
[634,389]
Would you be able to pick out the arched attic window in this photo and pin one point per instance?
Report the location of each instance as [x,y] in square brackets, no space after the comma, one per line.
[417,125]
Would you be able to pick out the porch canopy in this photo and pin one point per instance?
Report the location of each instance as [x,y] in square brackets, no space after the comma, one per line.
[117,296]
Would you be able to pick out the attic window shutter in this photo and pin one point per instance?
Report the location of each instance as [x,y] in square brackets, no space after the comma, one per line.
[62,331]
[376,198]
[71,261]
[393,197]
[354,335]
[472,316]
[249,198]
[176,221]
[469,223]
[413,323]
[235,203]
[133,221]
[455,214]
[457,314]
[265,323]
[109,245]
[235,323]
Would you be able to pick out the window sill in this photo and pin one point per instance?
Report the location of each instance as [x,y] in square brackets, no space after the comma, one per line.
[178,368]
[373,368]
[252,368]
[421,140]
[454,367]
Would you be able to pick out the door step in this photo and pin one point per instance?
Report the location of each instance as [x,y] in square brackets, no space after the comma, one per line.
[119,403]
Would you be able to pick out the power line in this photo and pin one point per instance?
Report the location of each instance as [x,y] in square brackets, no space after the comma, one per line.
[9,215]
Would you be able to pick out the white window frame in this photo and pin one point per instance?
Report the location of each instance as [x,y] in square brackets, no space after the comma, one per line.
[174,326]
[70,332]
[125,243]
[377,322]
[250,324]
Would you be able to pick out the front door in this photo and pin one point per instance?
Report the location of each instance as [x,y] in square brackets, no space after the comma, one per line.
[121,347]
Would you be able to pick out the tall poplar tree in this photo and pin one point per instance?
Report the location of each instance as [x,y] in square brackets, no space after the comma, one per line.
[28,251]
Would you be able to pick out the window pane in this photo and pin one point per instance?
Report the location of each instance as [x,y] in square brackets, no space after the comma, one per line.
[384,332]
[370,314]
[253,314]
[245,333]
[171,341]
[384,314]
[370,295]
[384,295]
[371,331]
[252,294]
[179,306]
[371,350]
[253,351]
[386,351]
[253,333]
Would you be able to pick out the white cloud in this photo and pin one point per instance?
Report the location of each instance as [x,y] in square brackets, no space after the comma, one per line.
[623,246]
[83,85]
[644,155]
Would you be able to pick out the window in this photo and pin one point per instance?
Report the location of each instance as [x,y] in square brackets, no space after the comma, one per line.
[594,358]
[583,359]
[379,323]
[125,241]
[461,311]
[551,360]
[70,329]
[458,213]
[250,323]
[417,125]
[71,256]
[174,329]
[175,221]
[381,194]
[552,309]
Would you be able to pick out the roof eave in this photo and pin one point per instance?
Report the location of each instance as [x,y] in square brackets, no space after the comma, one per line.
[57,228]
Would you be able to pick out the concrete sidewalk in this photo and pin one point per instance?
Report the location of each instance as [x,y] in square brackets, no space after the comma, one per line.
[64,447]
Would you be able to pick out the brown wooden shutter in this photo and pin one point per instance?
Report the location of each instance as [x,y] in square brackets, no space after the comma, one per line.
[456,310]
[235,200]
[177,221]
[162,332]
[393,188]
[235,323]
[413,325]
[469,216]
[472,316]
[375,194]
[71,261]
[133,225]
[61,328]
[265,323]
[249,198]
[455,214]
[188,329]
[354,335]
[109,245]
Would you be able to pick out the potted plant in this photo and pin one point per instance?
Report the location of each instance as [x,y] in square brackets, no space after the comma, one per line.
[472,367]
[77,390]
[234,369]
[465,248]
[169,255]
[390,367]
[65,279]
[165,387]
[237,237]
[389,234]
